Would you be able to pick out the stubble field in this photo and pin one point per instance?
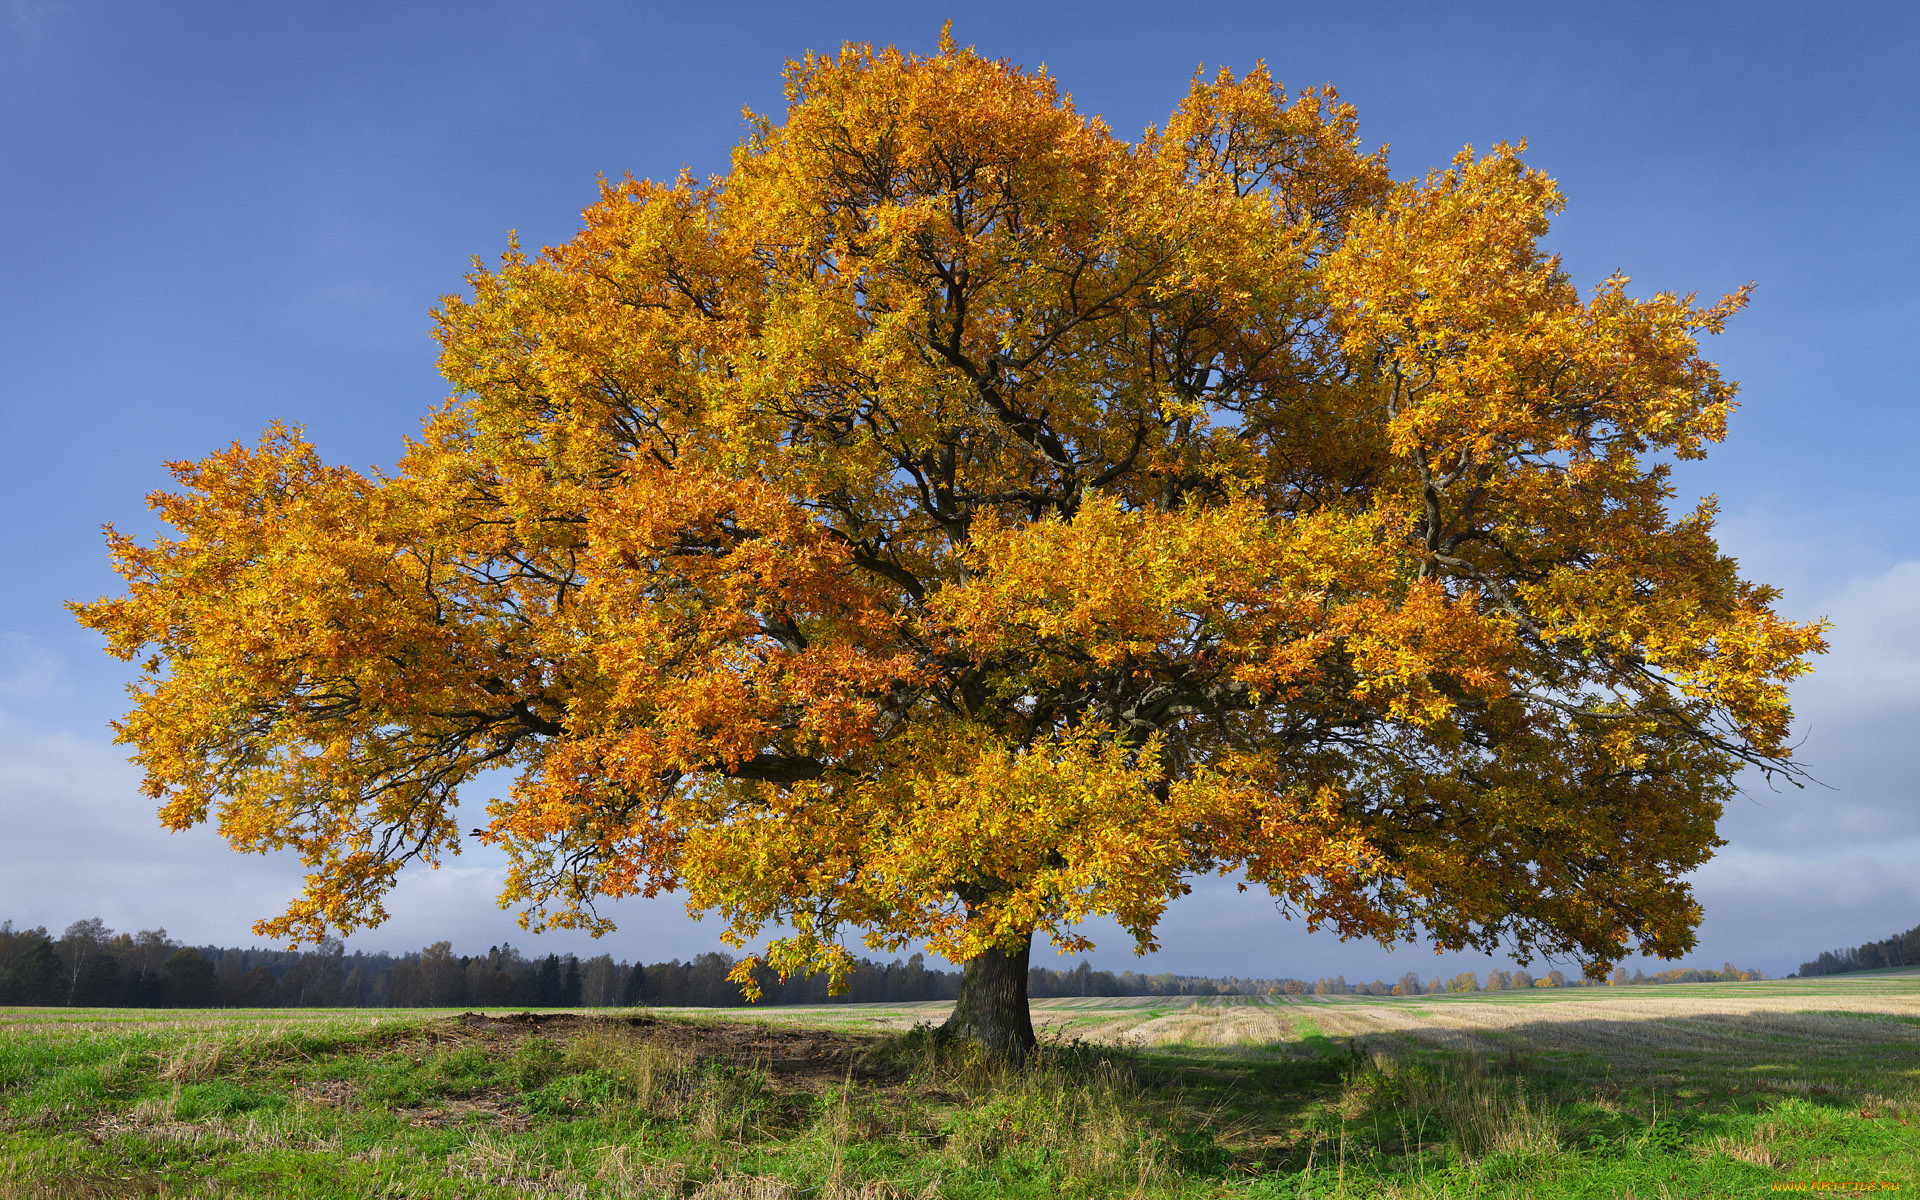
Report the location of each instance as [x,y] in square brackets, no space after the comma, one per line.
[1674,1091]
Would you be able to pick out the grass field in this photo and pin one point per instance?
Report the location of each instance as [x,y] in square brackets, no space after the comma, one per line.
[1678,1091]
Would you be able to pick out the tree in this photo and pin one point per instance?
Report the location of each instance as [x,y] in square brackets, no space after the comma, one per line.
[141,956]
[81,946]
[957,522]
[547,990]
[318,977]
[913,979]
[189,980]
[441,979]
[98,983]
[599,982]
[635,992]
[256,988]
[33,973]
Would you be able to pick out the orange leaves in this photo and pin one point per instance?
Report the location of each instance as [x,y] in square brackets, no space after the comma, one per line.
[699,589]
[956,521]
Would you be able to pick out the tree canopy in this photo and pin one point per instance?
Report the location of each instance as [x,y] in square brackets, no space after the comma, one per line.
[956,522]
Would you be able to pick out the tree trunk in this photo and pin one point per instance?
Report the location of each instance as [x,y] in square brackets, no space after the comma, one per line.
[992,1009]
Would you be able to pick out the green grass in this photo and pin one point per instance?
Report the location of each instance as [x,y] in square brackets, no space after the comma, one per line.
[1178,1099]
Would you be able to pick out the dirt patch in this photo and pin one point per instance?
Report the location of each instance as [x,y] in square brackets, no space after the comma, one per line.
[787,1055]
[327,1093]
[498,1111]
[496,1108]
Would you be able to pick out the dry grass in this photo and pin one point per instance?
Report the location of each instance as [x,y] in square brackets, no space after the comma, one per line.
[190,1022]
[499,1162]
[1685,1016]
[202,1057]
[1755,1148]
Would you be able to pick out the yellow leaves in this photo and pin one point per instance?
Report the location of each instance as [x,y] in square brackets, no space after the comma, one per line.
[1242,136]
[1260,602]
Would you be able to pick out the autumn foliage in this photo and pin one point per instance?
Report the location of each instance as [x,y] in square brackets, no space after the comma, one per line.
[956,522]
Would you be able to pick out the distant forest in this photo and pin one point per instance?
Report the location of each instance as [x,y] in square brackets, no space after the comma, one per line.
[1900,950]
[91,965]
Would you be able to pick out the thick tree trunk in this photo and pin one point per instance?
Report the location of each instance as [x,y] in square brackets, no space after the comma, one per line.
[992,1009]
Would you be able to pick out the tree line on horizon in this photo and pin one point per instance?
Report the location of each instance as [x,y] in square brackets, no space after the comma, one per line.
[90,965]
[1899,950]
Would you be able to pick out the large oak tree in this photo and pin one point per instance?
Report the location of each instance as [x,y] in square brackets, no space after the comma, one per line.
[957,522]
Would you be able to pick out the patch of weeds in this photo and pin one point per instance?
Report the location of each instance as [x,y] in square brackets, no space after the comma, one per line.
[221,1098]
[1196,1152]
[535,1061]
[648,1071]
[461,1071]
[847,1113]
[1084,1123]
[569,1095]
[726,1102]
[1407,1106]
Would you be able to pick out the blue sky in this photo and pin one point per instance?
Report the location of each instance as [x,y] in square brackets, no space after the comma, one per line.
[222,214]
